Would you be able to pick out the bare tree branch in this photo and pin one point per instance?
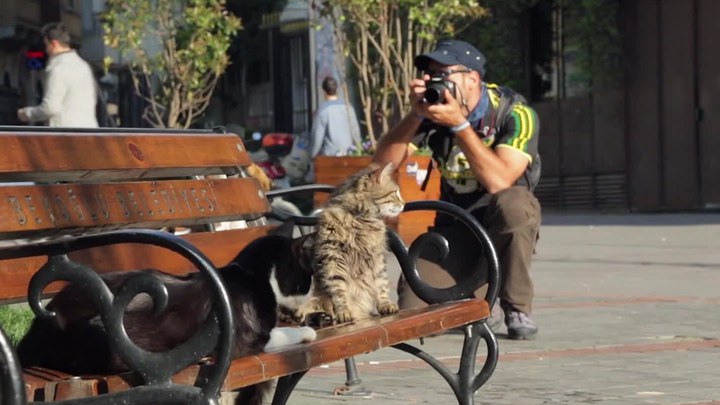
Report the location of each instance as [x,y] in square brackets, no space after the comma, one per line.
[178,81]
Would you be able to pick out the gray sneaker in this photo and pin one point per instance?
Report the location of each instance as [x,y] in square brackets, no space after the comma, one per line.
[496,318]
[520,325]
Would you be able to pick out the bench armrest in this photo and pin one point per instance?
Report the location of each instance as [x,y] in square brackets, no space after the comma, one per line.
[216,335]
[407,258]
[325,188]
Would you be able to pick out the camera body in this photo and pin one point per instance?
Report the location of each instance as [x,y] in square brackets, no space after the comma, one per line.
[434,90]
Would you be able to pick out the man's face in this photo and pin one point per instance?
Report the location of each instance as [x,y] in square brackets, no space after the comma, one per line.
[52,46]
[466,80]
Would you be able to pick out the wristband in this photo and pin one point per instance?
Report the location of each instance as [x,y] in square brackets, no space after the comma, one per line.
[419,117]
[458,128]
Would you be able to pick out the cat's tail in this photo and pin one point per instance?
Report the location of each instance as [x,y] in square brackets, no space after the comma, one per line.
[286,336]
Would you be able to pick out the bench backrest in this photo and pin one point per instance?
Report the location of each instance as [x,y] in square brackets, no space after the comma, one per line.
[55,183]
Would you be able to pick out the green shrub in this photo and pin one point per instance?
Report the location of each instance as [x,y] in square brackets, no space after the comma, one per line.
[15,321]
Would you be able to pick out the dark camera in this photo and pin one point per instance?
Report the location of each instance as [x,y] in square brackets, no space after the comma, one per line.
[434,89]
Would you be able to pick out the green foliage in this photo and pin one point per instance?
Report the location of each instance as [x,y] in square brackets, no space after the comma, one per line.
[381,39]
[592,30]
[15,321]
[422,151]
[591,39]
[192,38]
[499,38]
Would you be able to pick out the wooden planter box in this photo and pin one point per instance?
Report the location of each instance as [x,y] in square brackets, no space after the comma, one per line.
[411,174]
[334,170]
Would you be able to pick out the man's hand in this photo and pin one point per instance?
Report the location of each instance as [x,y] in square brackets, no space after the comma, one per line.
[448,114]
[22,115]
[417,91]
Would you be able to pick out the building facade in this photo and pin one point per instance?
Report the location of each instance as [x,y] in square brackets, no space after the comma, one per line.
[273,85]
[633,129]
[672,90]
[626,92]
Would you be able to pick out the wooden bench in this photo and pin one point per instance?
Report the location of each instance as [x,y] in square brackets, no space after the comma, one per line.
[87,201]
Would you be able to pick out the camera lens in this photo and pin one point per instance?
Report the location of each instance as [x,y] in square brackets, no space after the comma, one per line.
[433,96]
[435,90]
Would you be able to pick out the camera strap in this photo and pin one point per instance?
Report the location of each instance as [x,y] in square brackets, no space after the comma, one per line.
[447,145]
[425,182]
[505,105]
[498,117]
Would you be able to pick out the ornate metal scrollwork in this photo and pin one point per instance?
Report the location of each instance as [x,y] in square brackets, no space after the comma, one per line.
[216,334]
[408,257]
[12,391]
[465,381]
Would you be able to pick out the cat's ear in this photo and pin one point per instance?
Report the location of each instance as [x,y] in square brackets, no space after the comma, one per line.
[388,169]
[386,172]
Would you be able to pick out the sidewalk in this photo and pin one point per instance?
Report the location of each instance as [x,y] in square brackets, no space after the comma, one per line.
[629,313]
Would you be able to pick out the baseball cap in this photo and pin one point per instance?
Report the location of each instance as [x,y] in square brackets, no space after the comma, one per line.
[453,52]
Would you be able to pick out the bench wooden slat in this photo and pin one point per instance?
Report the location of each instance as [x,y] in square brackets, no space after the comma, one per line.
[332,344]
[219,247]
[105,156]
[339,342]
[58,207]
[36,379]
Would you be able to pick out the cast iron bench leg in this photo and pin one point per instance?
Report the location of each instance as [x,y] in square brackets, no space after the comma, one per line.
[285,387]
[351,373]
[465,382]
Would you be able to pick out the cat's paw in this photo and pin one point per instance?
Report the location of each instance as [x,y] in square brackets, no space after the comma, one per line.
[307,334]
[286,336]
[318,320]
[343,316]
[286,316]
[387,308]
[299,317]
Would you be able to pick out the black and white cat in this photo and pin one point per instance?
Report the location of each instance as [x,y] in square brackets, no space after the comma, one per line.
[263,274]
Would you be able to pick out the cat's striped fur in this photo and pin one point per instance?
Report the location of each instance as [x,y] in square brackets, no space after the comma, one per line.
[349,247]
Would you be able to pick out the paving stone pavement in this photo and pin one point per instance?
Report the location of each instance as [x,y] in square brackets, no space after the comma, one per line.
[628,309]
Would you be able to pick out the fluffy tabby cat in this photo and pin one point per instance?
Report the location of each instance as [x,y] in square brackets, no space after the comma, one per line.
[262,275]
[349,247]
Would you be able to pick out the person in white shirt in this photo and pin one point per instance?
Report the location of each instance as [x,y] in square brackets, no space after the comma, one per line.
[70,92]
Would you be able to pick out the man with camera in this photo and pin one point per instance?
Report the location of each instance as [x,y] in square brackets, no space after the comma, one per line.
[484,140]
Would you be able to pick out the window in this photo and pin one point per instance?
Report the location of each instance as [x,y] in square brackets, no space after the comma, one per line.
[573,45]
